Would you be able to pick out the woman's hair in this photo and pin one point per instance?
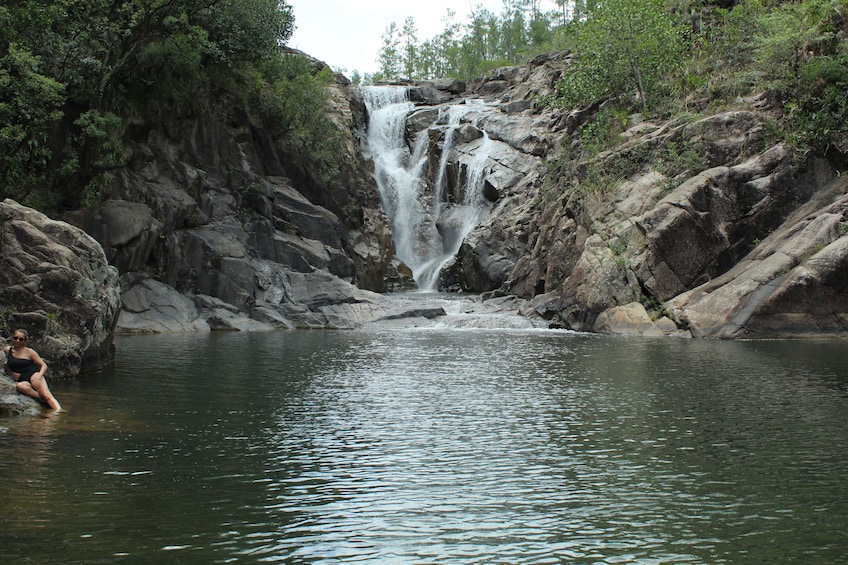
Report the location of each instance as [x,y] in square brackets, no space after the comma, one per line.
[22,332]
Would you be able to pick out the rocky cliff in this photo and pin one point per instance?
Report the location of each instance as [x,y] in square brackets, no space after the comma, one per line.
[709,228]
[218,228]
[698,226]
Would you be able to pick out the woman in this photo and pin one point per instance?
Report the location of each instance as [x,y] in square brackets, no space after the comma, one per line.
[28,369]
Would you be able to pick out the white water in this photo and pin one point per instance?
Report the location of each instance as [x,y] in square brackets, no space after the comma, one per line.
[428,230]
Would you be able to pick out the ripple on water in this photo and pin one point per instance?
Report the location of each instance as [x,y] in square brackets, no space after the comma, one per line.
[438,446]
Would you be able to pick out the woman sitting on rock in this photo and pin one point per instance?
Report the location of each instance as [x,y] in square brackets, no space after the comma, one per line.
[28,370]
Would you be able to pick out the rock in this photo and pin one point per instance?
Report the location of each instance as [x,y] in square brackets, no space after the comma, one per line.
[421,312]
[57,284]
[528,135]
[423,94]
[681,243]
[320,289]
[12,403]
[127,231]
[223,319]
[704,226]
[490,87]
[153,307]
[792,285]
[271,318]
[628,319]
[483,270]
[452,85]
[203,213]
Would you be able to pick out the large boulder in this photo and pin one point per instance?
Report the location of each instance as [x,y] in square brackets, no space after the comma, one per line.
[57,284]
[794,284]
[710,222]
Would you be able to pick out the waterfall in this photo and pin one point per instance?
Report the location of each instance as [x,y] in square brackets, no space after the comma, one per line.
[428,230]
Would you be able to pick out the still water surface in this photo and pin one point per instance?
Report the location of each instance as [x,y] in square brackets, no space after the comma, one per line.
[436,446]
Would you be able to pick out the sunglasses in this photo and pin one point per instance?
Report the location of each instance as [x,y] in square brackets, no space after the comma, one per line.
[16,338]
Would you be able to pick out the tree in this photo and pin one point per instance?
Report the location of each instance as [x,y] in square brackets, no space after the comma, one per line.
[623,46]
[464,51]
[119,60]
[565,11]
[804,60]
[410,48]
[30,104]
[389,55]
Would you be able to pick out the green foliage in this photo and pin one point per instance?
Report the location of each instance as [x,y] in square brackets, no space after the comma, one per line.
[675,159]
[603,131]
[247,30]
[389,56]
[102,134]
[794,51]
[794,54]
[169,77]
[624,46]
[30,105]
[790,33]
[291,102]
[819,111]
[79,71]
[595,170]
[467,50]
[807,61]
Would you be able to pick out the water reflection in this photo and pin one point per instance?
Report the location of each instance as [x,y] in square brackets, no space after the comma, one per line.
[438,446]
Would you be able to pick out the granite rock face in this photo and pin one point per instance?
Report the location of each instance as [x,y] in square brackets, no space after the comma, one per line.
[213,228]
[14,404]
[719,232]
[57,284]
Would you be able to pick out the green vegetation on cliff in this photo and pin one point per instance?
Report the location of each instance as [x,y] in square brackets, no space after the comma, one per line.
[701,56]
[80,79]
[661,57]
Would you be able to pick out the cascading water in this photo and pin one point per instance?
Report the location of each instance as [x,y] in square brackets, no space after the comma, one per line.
[428,231]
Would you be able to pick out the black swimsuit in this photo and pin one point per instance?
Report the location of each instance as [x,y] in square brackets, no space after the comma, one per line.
[26,368]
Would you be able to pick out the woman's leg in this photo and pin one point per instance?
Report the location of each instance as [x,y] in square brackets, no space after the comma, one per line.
[39,384]
[24,387]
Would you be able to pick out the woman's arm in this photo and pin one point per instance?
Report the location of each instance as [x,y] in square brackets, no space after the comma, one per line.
[36,358]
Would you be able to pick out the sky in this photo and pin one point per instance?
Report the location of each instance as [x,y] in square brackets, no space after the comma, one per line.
[347,34]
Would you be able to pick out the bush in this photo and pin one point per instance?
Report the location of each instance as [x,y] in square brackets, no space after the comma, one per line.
[290,100]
